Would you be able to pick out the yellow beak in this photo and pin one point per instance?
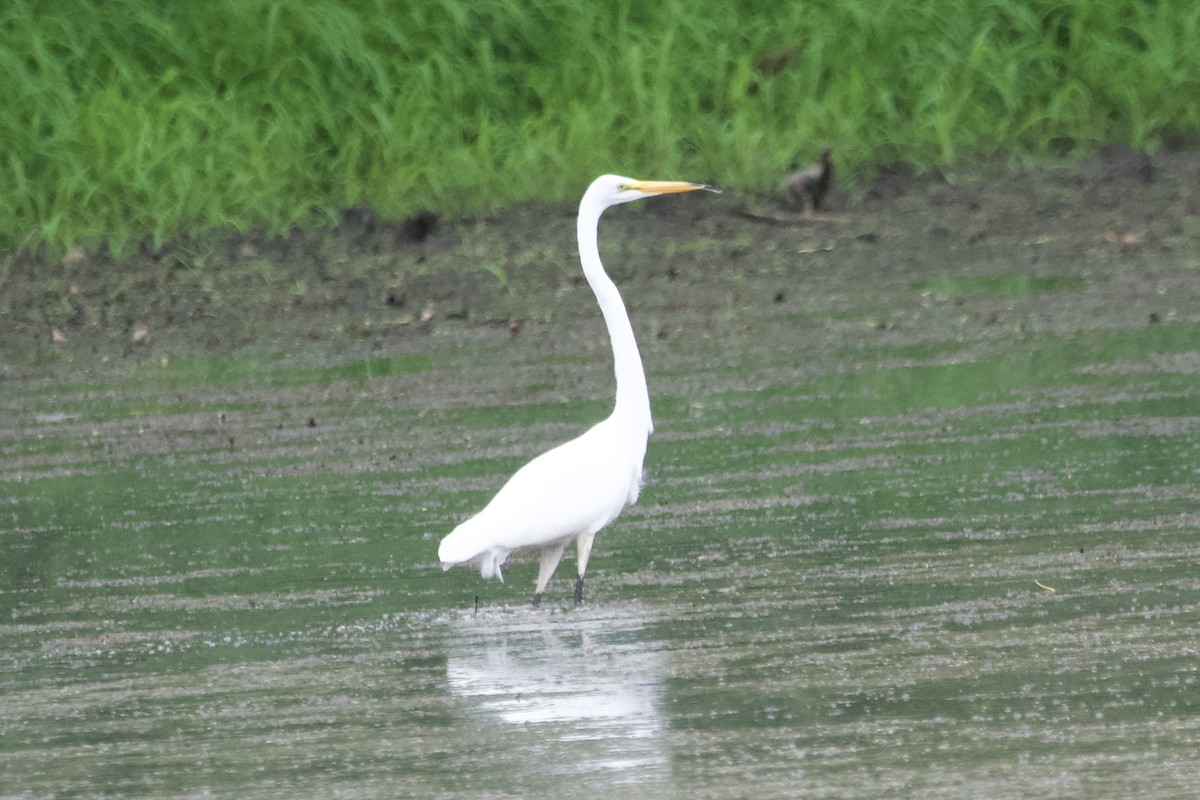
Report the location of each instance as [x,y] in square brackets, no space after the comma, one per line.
[670,187]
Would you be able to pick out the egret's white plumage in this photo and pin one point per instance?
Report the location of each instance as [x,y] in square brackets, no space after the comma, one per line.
[574,490]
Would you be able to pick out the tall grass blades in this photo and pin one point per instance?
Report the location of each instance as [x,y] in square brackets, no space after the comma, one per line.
[133,120]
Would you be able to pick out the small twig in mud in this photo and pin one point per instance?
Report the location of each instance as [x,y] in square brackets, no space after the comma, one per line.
[1041,585]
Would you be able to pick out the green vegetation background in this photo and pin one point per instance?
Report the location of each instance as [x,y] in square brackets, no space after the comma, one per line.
[135,118]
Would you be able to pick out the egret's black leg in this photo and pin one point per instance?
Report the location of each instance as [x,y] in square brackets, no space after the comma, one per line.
[537,600]
[583,545]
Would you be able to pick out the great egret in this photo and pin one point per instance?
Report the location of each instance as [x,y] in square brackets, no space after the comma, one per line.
[575,489]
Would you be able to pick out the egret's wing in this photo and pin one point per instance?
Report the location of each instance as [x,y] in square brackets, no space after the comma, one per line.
[580,485]
[577,486]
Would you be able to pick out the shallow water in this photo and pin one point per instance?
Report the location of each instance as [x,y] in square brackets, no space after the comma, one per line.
[866,563]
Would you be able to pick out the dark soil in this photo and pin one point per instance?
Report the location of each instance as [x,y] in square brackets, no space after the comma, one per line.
[1120,210]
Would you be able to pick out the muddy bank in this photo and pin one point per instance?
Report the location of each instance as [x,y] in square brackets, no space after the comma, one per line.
[1119,211]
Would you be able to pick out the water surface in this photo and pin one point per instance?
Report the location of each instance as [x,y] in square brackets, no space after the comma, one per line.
[936,560]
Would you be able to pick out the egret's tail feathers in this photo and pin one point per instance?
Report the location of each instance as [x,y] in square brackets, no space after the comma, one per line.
[463,546]
[459,546]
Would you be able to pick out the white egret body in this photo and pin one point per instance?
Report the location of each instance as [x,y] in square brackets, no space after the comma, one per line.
[574,490]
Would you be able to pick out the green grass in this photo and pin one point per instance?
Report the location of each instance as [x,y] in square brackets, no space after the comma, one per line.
[134,122]
[263,372]
[1011,285]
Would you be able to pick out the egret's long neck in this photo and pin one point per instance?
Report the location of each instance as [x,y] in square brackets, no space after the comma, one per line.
[633,399]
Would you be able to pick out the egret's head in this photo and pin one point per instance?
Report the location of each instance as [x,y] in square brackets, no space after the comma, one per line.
[611,190]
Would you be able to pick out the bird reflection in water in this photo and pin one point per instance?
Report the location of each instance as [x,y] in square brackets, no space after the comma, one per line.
[569,694]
